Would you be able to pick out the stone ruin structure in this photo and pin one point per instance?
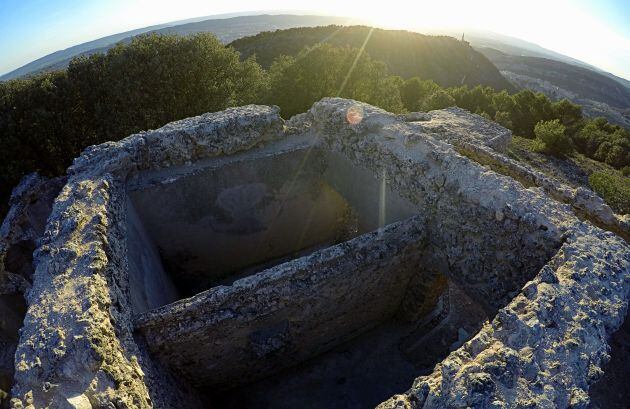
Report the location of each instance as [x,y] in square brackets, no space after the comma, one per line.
[346,258]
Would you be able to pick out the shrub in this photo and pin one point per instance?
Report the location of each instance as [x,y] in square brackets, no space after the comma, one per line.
[569,114]
[614,188]
[551,134]
[604,142]
[504,119]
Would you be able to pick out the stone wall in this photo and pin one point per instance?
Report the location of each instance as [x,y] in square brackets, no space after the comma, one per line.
[547,346]
[443,125]
[486,231]
[560,285]
[76,345]
[287,314]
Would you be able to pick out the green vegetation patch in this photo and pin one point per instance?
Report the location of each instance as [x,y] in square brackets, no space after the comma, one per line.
[47,120]
[495,165]
[614,188]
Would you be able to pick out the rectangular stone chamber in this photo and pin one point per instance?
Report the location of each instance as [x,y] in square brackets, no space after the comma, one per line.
[195,228]
[306,275]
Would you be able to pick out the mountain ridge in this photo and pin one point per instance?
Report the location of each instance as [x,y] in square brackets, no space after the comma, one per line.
[478,38]
[61,58]
[599,95]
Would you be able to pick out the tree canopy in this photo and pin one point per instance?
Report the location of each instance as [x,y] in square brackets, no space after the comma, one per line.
[46,121]
[321,71]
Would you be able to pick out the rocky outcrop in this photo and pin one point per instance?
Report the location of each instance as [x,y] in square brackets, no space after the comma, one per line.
[448,124]
[587,204]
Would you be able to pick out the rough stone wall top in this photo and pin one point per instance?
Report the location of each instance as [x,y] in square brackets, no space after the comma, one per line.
[548,345]
[416,149]
[76,346]
[449,122]
[182,142]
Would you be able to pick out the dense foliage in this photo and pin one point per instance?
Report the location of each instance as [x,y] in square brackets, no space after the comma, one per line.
[46,120]
[614,188]
[520,112]
[297,82]
[552,135]
[604,142]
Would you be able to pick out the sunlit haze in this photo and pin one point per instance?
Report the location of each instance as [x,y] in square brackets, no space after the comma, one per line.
[597,32]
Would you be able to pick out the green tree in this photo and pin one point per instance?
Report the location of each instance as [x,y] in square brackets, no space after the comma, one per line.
[551,134]
[614,188]
[47,120]
[438,100]
[569,114]
[604,142]
[504,119]
[529,109]
[414,91]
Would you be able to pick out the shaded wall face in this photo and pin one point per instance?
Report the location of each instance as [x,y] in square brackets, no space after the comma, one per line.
[369,194]
[290,313]
[12,310]
[490,253]
[234,219]
[150,285]
[214,224]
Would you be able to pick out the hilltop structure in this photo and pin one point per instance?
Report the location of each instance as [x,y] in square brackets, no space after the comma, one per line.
[347,257]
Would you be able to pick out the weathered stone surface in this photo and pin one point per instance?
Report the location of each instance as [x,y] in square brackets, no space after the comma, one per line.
[560,285]
[448,124]
[548,345]
[77,343]
[31,203]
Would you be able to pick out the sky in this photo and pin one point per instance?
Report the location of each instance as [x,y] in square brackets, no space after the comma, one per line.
[594,31]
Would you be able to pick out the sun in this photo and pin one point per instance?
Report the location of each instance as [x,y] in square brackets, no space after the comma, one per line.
[414,15]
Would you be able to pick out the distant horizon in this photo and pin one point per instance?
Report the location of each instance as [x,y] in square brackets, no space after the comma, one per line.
[28,54]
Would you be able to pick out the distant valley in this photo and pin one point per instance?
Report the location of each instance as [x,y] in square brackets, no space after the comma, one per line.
[598,94]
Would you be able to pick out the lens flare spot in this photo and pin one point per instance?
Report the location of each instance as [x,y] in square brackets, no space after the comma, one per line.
[354,115]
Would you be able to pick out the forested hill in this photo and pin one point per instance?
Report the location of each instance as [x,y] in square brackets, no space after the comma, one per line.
[445,60]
